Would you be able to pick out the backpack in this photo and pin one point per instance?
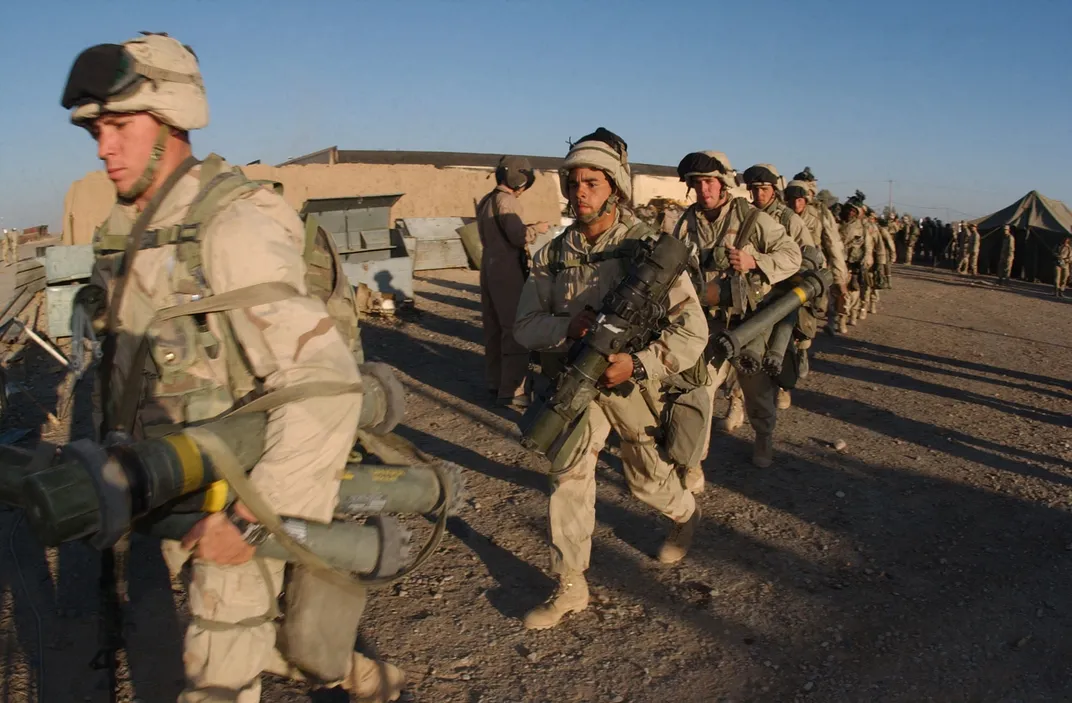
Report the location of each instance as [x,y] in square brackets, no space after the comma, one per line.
[220,186]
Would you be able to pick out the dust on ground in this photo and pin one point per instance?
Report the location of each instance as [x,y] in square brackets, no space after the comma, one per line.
[929,561]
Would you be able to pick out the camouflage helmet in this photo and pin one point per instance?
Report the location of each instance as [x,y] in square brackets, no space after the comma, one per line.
[153,73]
[796,189]
[712,164]
[764,173]
[603,150]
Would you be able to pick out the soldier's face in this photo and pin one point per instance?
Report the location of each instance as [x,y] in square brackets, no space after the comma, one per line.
[124,144]
[763,193]
[588,189]
[708,191]
[799,205]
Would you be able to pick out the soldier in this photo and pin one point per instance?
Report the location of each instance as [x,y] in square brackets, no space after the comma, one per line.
[912,233]
[870,289]
[974,244]
[767,186]
[140,100]
[884,252]
[962,237]
[756,247]
[1062,268]
[570,277]
[1008,253]
[858,257]
[800,196]
[503,268]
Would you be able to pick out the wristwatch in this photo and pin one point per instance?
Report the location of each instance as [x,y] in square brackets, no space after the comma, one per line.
[639,372]
[253,533]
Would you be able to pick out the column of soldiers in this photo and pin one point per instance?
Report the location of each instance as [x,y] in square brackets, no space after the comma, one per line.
[751,226]
[174,241]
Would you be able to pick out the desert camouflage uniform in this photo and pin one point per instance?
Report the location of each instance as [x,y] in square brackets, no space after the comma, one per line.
[1062,268]
[777,257]
[548,303]
[255,239]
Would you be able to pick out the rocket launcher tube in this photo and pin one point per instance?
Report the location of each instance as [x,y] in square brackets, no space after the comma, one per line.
[368,548]
[807,285]
[779,341]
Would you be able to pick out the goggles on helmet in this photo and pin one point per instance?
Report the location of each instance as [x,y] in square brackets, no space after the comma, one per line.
[101,73]
[698,162]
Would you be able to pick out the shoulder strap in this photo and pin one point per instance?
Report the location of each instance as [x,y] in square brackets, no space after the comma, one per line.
[559,262]
[748,214]
[490,198]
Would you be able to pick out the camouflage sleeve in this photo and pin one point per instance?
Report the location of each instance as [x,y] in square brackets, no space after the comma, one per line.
[536,327]
[256,240]
[869,247]
[834,249]
[777,255]
[890,245]
[800,232]
[682,342]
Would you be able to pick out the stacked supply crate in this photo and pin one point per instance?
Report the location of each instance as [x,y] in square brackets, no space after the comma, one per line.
[67,271]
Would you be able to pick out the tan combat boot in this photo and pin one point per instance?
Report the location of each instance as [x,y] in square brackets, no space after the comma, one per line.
[371,681]
[863,313]
[570,596]
[852,318]
[873,308]
[785,399]
[735,417]
[842,328]
[677,542]
[693,480]
[763,451]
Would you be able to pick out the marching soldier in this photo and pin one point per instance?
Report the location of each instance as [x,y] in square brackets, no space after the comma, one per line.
[735,239]
[569,279]
[140,100]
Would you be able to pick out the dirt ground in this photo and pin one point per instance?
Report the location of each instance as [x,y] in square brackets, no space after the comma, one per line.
[929,561]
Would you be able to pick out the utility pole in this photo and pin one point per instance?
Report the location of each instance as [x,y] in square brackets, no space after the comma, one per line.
[891,198]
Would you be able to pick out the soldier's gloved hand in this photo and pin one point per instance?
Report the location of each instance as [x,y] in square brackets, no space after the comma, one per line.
[217,539]
[581,322]
[741,260]
[620,369]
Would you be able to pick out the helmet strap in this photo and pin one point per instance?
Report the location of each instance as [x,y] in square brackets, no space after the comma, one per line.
[607,205]
[146,179]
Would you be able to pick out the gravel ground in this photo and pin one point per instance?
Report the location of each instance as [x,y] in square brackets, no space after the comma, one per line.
[926,561]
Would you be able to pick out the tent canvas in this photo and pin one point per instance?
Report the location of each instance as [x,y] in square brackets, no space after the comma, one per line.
[1039,224]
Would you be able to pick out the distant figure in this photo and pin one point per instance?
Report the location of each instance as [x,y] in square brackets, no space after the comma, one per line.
[1008,253]
[11,246]
[1061,270]
[911,229]
[961,236]
[974,244]
[504,266]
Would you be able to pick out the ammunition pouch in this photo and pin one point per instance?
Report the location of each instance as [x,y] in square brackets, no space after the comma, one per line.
[320,625]
[789,375]
[685,424]
[807,323]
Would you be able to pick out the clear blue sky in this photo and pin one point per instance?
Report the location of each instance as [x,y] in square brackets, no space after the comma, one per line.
[965,105]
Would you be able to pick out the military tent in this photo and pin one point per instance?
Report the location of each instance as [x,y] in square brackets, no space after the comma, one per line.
[1039,225]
